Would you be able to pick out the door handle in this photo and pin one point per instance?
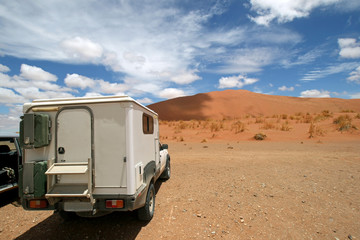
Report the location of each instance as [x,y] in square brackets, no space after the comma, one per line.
[61,150]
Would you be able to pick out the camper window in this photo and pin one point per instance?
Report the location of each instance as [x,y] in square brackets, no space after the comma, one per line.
[148,124]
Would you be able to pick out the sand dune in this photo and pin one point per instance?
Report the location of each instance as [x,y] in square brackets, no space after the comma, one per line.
[238,103]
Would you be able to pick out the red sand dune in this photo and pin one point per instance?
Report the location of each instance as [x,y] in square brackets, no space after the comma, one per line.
[238,103]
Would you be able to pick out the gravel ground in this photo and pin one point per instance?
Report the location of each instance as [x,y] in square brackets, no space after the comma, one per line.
[244,190]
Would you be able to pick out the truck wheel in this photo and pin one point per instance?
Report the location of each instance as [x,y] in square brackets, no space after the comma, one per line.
[167,171]
[146,213]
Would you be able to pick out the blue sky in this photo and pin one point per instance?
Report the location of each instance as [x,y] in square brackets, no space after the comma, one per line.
[156,50]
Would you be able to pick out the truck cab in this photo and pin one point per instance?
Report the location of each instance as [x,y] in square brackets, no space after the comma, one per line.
[10,161]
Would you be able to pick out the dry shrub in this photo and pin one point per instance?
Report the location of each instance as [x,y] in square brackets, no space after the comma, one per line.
[259,120]
[343,123]
[307,118]
[177,131]
[312,130]
[195,124]
[348,111]
[315,130]
[182,125]
[268,125]
[203,141]
[323,116]
[326,113]
[238,126]
[284,116]
[357,116]
[205,124]
[285,126]
[163,122]
[214,127]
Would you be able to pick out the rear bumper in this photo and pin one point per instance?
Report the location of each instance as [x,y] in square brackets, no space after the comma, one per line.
[131,202]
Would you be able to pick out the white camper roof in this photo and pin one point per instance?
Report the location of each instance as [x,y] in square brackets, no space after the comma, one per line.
[80,100]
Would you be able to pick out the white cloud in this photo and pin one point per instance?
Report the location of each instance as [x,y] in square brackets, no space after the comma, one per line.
[112,88]
[185,77]
[355,95]
[248,60]
[285,10]
[236,81]
[32,83]
[145,101]
[110,59]
[349,48]
[9,123]
[37,78]
[315,94]
[92,94]
[78,81]
[334,69]
[355,76]
[35,93]
[8,96]
[36,74]
[302,59]
[4,68]
[171,93]
[97,86]
[284,88]
[139,39]
[82,49]
[169,47]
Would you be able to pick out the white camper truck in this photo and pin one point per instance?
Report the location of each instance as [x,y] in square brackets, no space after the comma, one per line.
[89,156]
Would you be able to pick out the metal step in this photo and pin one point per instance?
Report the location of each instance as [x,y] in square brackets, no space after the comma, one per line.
[68,190]
[68,168]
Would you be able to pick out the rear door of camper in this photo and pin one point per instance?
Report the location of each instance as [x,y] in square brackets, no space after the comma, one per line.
[74,137]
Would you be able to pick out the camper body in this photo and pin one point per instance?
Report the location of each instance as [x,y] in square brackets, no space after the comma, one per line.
[91,155]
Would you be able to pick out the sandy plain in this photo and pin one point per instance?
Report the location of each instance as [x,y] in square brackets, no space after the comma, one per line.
[229,190]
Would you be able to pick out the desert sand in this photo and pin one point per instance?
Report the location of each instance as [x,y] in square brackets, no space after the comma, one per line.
[240,103]
[301,182]
[245,190]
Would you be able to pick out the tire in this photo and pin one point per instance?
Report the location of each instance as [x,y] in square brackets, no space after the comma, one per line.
[146,213]
[167,171]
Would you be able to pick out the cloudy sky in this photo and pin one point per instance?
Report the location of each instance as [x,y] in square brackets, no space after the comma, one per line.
[156,50]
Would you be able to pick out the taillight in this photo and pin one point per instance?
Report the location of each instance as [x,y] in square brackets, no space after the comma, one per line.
[38,203]
[114,203]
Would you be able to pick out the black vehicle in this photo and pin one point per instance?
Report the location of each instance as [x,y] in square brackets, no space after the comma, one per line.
[10,160]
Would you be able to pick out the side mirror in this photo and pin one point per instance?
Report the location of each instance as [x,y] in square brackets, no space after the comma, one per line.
[164,146]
